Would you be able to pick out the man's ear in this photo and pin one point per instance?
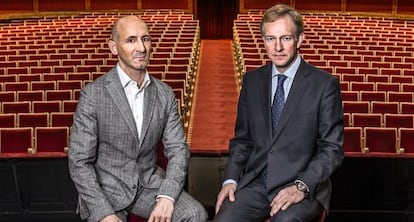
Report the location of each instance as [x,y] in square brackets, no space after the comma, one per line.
[300,40]
[112,47]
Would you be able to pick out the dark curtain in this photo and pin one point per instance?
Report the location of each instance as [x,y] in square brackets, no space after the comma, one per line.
[216,18]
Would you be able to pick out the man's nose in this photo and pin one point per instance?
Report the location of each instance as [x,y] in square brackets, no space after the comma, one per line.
[278,45]
[140,46]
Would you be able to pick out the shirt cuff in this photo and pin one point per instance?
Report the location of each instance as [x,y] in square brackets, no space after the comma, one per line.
[229,181]
[164,196]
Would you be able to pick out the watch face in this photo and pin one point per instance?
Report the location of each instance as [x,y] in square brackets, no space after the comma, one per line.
[301,187]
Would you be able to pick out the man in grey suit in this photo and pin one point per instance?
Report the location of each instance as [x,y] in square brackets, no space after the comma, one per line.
[119,120]
[288,133]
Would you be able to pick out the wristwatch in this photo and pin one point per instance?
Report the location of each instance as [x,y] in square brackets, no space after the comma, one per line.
[301,186]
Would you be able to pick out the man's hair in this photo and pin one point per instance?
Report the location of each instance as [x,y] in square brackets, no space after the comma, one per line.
[280,10]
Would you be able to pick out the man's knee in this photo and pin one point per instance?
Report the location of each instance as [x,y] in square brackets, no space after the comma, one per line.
[283,216]
[189,209]
[195,213]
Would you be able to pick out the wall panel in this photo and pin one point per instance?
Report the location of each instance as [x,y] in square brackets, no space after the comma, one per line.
[112,5]
[13,5]
[378,6]
[327,5]
[166,4]
[61,5]
[245,5]
[405,7]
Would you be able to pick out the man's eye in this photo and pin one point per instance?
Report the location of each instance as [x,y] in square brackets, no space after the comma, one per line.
[287,38]
[270,39]
[146,39]
[131,40]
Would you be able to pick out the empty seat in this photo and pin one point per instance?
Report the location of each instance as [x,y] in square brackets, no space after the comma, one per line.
[61,119]
[407,108]
[384,107]
[9,96]
[366,119]
[407,87]
[36,95]
[58,95]
[406,141]
[399,120]
[356,106]
[16,86]
[43,85]
[381,140]
[400,96]
[350,95]
[7,120]
[388,87]
[362,86]
[51,139]
[16,107]
[353,140]
[33,119]
[16,140]
[69,84]
[46,106]
[372,96]
[347,120]
[69,105]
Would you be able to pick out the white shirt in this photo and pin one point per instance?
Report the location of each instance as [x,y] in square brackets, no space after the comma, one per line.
[289,73]
[135,96]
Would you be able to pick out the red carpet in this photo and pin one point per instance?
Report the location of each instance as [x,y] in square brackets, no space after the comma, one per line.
[215,99]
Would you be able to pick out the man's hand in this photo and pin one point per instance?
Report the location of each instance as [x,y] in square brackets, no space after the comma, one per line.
[111,218]
[162,211]
[286,197]
[227,191]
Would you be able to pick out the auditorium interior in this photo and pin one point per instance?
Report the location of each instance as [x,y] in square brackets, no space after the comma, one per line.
[49,50]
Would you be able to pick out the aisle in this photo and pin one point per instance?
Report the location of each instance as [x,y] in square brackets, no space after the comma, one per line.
[215,99]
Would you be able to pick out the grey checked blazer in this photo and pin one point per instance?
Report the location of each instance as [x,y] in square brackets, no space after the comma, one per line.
[108,163]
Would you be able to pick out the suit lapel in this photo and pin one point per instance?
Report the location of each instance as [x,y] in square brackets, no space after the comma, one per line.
[296,92]
[117,93]
[266,80]
[149,106]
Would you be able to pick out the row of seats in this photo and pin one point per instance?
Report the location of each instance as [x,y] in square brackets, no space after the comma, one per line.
[38,106]
[365,95]
[32,140]
[378,107]
[379,141]
[41,119]
[379,120]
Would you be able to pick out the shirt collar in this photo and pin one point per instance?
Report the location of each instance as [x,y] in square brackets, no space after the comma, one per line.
[291,71]
[125,79]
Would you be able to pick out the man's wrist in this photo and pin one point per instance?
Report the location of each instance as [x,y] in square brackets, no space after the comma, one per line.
[164,196]
[301,186]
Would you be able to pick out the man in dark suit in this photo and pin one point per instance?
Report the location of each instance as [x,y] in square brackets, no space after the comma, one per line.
[288,133]
[119,120]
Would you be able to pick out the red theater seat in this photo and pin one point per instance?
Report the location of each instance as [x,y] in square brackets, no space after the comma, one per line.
[16,140]
[381,140]
[406,136]
[51,139]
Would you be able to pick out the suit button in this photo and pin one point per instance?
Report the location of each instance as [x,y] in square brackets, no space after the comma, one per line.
[271,151]
[134,186]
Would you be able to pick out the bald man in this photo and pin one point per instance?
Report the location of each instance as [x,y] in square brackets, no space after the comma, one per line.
[118,123]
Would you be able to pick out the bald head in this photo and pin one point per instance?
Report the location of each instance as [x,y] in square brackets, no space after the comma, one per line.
[122,24]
